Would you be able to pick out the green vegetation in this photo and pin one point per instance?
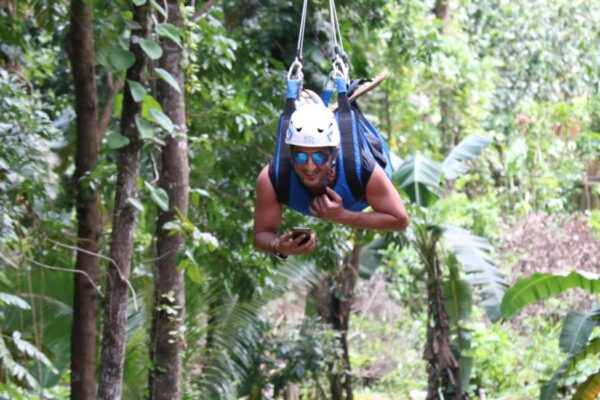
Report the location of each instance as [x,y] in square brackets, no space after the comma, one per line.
[492,112]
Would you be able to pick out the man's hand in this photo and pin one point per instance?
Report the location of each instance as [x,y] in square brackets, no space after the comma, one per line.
[328,206]
[288,246]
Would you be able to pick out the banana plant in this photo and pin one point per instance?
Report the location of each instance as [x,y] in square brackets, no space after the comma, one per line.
[577,326]
[439,245]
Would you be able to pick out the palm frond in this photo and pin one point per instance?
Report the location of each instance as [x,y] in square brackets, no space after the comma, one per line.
[474,253]
[12,300]
[236,329]
[542,285]
[454,165]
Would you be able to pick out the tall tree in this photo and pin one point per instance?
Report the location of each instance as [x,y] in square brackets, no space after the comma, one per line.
[333,298]
[448,128]
[83,331]
[169,304]
[115,309]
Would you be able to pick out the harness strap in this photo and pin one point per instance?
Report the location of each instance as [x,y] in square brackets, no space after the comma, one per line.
[280,168]
[349,141]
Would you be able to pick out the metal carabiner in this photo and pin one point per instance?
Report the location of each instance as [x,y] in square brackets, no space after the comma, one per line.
[298,74]
[340,68]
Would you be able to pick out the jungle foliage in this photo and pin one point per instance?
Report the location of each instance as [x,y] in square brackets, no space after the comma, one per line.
[494,123]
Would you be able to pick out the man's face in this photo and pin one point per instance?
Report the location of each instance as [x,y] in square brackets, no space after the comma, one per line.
[312,165]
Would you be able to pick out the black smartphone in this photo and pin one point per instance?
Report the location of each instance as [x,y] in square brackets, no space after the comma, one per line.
[297,232]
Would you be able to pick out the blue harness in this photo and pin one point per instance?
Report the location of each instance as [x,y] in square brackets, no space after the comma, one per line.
[361,146]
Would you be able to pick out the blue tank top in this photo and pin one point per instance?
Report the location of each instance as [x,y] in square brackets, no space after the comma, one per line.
[300,198]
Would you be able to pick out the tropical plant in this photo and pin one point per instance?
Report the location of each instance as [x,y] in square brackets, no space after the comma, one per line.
[448,292]
[575,337]
[234,334]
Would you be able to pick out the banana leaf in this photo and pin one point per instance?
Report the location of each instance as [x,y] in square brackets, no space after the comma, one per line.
[474,253]
[420,177]
[542,285]
[370,257]
[454,165]
[592,349]
[576,331]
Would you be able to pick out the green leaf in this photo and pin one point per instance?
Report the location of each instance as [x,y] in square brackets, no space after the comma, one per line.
[194,273]
[169,31]
[159,196]
[138,91]
[457,299]
[31,351]
[139,2]
[159,8]
[454,166]
[568,366]
[473,253]
[115,140]
[136,203]
[162,119]
[121,59]
[13,300]
[151,48]
[465,368]
[370,257]
[419,177]
[144,127]
[543,285]
[149,104]
[576,331]
[167,77]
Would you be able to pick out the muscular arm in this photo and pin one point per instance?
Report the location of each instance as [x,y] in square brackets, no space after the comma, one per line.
[267,212]
[267,218]
[388,210]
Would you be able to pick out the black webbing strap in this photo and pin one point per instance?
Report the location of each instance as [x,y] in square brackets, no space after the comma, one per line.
[349,142]
[280,167]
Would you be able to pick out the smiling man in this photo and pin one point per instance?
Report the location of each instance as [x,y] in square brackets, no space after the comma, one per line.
[317,187]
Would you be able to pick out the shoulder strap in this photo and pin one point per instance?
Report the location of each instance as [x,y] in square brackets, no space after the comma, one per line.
[349,141]
[280,168]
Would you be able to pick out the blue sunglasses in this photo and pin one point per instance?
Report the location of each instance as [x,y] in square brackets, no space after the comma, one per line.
[319,158]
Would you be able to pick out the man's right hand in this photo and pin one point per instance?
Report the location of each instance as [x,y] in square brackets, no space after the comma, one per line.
[288,246]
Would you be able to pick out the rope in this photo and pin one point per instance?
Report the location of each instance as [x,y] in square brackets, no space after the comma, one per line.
[300,45]
[339,58]
[297,64]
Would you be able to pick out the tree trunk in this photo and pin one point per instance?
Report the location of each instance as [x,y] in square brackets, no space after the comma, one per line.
[115,309]
[167,336]
[334,301]
[442,367]
[447,126]
[83,331]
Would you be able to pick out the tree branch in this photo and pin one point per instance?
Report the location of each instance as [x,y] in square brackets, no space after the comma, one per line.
[108,108]
[204,10]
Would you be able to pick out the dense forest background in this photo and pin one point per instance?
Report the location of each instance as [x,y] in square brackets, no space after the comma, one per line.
[131,137]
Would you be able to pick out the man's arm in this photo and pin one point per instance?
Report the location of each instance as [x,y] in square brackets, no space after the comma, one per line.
[388,210]
[267,218]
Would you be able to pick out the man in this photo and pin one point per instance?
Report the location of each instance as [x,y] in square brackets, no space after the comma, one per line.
[321,189]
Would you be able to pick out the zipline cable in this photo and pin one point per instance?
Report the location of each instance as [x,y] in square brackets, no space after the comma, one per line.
[297,64]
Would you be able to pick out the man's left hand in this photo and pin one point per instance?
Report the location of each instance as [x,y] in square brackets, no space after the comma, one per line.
[327,206]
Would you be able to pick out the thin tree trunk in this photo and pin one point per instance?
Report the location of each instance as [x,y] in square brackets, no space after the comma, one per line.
[442,367]
[115,310]
[83,331]
[167,336]
[447,128]
[335,308]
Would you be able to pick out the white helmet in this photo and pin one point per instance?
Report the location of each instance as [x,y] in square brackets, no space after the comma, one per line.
[313,125]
